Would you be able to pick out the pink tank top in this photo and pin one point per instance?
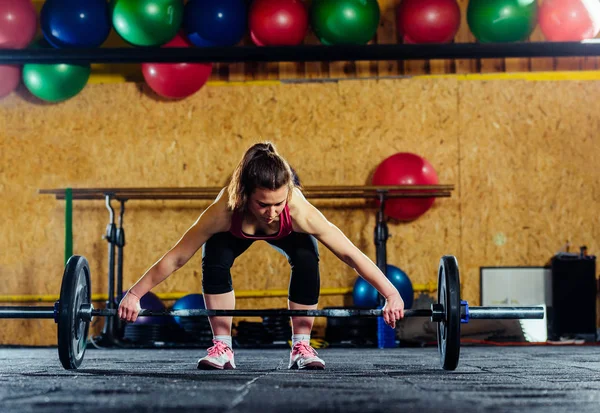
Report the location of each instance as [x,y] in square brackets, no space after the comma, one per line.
[285,226]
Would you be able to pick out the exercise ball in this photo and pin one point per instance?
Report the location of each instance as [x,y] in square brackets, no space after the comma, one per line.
[75,23]
[147,22]
[10,78]
[210,23]
[54,82]
[569,20]
[364,294]
[429,21]
[278,22]
[402,283]
[18,23]
[345,21]
[188,302]
[501,21]
[176,80]
[406,169]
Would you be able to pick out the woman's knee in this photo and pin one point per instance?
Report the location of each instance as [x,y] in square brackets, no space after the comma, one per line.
[305,285]
[304,259]
[216,279]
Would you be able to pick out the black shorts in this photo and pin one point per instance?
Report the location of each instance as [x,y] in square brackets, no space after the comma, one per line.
[301,251]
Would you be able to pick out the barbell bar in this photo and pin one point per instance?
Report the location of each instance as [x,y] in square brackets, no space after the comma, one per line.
[87,312]
[74,311]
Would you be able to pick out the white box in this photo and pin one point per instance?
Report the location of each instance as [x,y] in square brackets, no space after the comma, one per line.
[519,287]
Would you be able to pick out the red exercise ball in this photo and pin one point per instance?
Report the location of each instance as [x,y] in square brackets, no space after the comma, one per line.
[569,20]
[18,23]
[278,22]
[429,21]
[176,80]
[10,78]
[406,169]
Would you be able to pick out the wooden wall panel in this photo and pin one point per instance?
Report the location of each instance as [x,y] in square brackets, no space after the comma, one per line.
[521,154]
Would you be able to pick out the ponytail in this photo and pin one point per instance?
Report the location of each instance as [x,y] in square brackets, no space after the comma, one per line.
[260,167]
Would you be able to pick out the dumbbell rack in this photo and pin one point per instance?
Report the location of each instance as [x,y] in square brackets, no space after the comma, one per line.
[112,331]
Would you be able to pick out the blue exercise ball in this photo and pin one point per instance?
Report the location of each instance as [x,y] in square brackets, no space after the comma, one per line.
[188,302]
[402,283]
[364,294]
[210,23]
[75,23]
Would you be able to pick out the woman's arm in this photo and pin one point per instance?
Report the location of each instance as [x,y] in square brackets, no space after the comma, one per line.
[309,219]
[216,218]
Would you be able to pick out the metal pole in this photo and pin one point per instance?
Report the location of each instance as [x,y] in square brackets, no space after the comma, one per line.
[87,310]
[506,313]
[26,312]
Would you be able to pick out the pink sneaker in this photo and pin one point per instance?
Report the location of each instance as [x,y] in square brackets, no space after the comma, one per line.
[303,356]
[220,356]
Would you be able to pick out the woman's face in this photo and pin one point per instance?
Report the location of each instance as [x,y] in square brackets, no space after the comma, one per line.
[266,204]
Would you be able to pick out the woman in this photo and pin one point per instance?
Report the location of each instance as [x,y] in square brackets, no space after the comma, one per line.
[262,203]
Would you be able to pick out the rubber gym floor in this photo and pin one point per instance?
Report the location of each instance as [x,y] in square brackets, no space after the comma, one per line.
[488,379]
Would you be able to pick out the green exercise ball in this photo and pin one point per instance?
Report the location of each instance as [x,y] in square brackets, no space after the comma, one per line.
[344,21]
[147,22]
[500,21]
[54,82]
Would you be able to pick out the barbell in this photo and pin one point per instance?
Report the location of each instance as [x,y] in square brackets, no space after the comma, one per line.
[74,311]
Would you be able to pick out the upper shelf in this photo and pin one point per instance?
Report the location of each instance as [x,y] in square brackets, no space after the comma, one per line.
[305,53]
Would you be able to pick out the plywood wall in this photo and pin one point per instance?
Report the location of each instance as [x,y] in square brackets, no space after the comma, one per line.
[521,155]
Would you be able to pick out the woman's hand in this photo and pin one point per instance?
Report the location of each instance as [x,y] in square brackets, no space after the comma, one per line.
[393,309]
[129,308]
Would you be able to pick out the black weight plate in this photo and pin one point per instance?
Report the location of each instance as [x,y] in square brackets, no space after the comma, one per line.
[448,330]
[72,330]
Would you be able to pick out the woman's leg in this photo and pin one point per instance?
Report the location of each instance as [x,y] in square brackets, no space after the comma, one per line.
[218,255]
[303,255]
[220,326]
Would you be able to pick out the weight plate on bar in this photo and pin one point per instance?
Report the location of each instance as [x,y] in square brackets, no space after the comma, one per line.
[448,330]
[72,330]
